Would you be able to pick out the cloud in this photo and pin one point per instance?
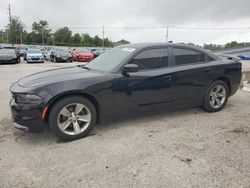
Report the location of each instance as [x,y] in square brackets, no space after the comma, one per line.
[193,13]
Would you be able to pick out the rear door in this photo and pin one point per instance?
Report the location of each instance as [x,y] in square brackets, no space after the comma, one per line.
[192,75]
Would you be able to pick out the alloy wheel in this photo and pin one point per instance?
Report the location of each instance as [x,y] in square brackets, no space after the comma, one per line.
[74,118]
[217,96]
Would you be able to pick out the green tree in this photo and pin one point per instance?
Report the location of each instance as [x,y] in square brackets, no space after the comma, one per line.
[87,40]
[120,42]
[97,41]
[3,36]
[76,40]
[15,30]
[40,29]
[63,36]
[232,44]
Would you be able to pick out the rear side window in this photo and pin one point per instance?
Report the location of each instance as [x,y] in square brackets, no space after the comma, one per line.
[185,56]
[151,59]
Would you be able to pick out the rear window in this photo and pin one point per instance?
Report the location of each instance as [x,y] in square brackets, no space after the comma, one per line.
[186,56]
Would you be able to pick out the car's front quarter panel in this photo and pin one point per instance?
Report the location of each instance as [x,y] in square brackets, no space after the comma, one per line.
[28,116]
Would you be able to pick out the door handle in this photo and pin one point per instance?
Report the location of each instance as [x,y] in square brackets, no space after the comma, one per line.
[167,78]
[208,70]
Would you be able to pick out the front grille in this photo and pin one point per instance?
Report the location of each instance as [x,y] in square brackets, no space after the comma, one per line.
[35,58]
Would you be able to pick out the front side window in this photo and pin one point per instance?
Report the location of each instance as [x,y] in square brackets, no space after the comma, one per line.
[185,56]
[151,59]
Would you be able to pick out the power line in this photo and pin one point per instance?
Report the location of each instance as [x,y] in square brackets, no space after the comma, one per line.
[149,27]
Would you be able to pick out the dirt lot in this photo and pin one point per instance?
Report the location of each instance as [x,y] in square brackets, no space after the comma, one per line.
[188,148]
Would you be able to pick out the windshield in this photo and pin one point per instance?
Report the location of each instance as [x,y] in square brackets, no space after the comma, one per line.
[82,50]
[33,51]
[61,50]
[7,51]
[110,59]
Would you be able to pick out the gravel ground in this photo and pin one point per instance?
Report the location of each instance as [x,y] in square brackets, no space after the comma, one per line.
[187,148]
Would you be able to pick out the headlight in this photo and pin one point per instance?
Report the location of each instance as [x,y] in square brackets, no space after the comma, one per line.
[27,99]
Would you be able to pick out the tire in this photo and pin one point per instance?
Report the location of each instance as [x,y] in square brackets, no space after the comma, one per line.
[61,116]
[217,91]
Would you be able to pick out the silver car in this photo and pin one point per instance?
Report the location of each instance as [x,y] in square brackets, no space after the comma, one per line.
[34,56]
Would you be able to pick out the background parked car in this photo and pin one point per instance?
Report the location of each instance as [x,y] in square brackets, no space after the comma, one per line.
[60,55]
[46,54]
[95,52]
[22,51]
[82,55]
[9,55]
[245,56]
[34,56]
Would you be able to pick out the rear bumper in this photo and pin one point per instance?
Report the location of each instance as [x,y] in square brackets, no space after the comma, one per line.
[27,117]
[234,88]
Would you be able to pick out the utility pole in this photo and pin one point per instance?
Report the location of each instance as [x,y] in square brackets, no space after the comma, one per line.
[102,36]
[167,34]
[9,11]
[7,34]
[10,25]
[21,37]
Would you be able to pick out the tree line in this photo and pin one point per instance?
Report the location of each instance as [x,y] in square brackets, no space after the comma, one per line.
[15,33]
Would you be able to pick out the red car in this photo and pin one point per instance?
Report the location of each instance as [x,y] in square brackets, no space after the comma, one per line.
[82,55]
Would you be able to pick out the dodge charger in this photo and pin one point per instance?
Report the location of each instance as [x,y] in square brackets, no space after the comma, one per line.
[127,78]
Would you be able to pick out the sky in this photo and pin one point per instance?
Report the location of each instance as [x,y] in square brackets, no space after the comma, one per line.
[194,21]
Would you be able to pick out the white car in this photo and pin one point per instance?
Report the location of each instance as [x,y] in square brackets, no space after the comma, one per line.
[34,56]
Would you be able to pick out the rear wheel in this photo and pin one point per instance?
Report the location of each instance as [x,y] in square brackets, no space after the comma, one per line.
[216,96]
[72,117]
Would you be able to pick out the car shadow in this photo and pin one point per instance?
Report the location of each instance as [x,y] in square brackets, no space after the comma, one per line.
[147,115]
[48,138]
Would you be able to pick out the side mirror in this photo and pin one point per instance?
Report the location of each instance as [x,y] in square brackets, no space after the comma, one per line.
[130,68]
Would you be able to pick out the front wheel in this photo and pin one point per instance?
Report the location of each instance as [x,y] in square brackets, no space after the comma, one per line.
[72,117]
[216,96]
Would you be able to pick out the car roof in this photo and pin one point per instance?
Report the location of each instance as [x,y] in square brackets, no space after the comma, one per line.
[139,46]
[159,44]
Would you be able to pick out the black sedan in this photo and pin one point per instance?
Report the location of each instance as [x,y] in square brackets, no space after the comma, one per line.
[60,55]
[9,55]
[129,78]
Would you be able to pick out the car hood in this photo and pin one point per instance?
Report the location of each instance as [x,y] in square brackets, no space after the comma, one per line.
[6,57]
[34,54]
[62,54]
[57,75]
[85,54]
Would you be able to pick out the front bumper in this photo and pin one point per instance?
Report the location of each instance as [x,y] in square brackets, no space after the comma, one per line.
[12,61]
[85,58]
[35,60]
[63,58]
[27,117]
